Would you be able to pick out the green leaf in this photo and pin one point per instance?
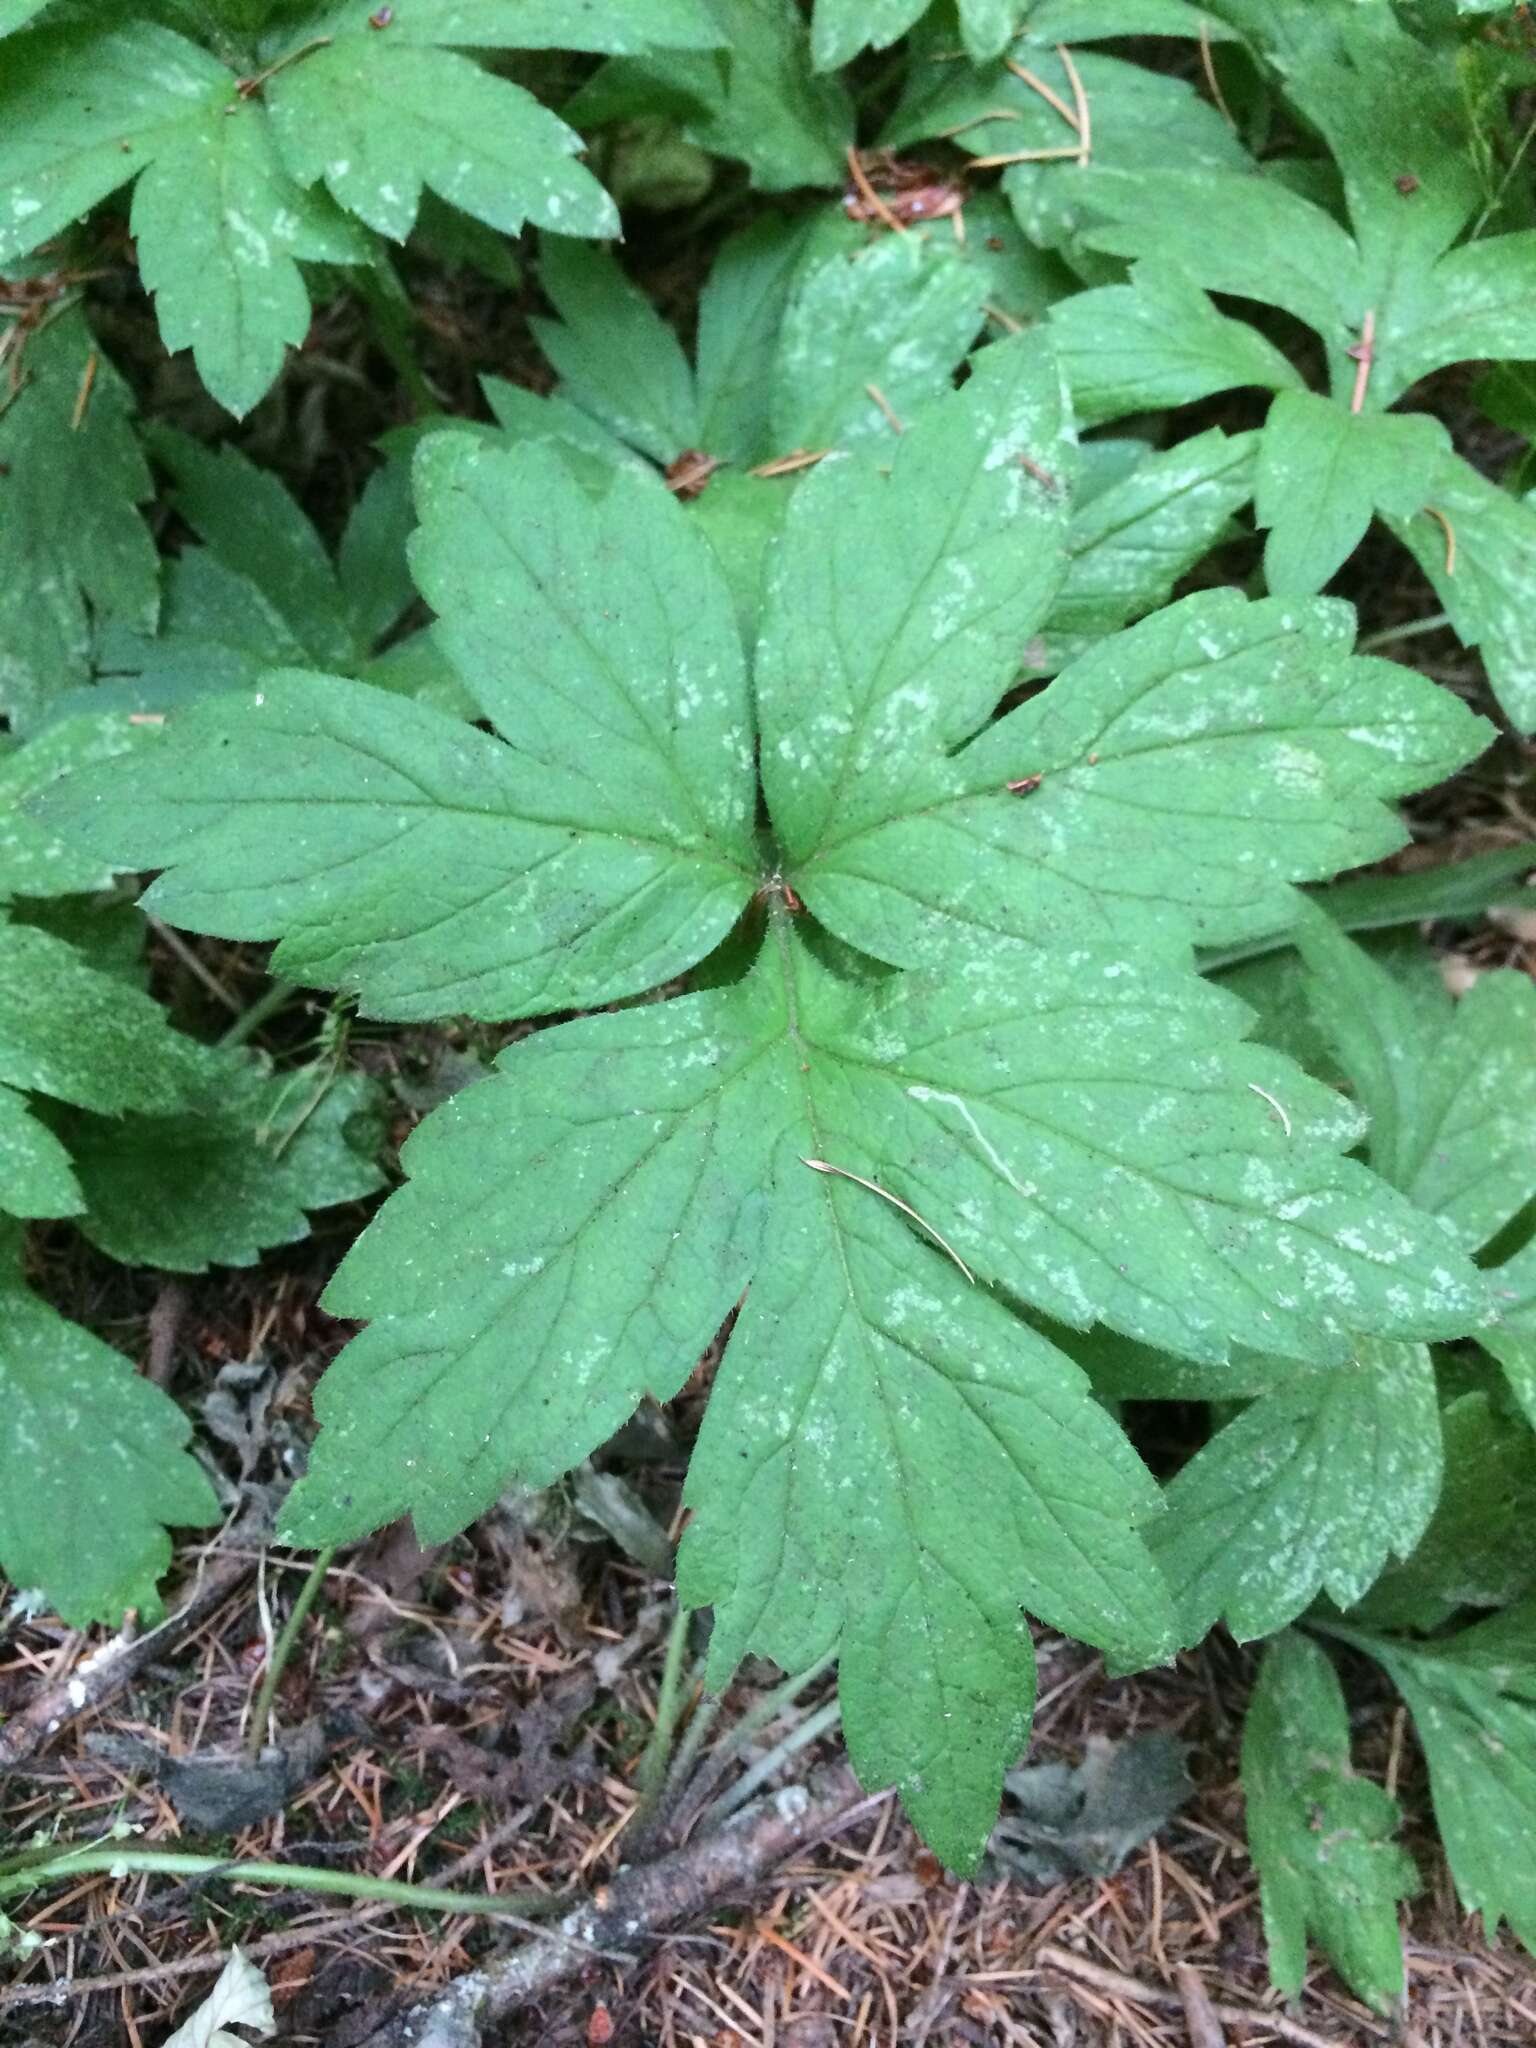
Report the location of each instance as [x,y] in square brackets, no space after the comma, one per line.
[987,1477]
[67,1029]
[1239,232]
[15,14]
[82,112]
[1480,1548]
[626,1265]
[1139,119]
[34,861]
[371,563]
[1182,717]
[799,329]
[1449,1086]
[1480,303]
[741,306]
[1512,1340]
[251,525]
[1073,21]
[1480,577]
[613,27]
[895,318]
[891,1166]
[841,28]
[233,1173]
[218,632]
[39,1179]
[433,868]
[600,641]
[757,99]
[1129,544]
[93,1466]
[72,542]
[616,357]
[408,857]
[621,1163]
[741,518]
[1311,1489]
[991,1103]
[899,597]
[376,119]
[1476,1720]
[1323,471]
[1320,1836]
[1154,342]
[220,229]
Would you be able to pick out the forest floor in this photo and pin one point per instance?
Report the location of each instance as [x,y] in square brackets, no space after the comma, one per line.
[478,1715]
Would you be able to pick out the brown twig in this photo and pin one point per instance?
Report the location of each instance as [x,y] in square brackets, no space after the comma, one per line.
[1208,66]
[1026,156]
[1363,355]
[786,465]
[1199,2014]
[880,399]
[83,395]
[118,1662]
[1450,537]
[1082,120]
[1051,98]
[636,1906]
[844,1173]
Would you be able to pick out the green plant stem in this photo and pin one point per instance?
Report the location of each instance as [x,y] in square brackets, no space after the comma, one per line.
[283,1649]
[1369,642]
[768,1709]
[56,1865]
[762,1715]
[651,1775]
[817,1724]
[390,314]
[704,1718]
[250,1021]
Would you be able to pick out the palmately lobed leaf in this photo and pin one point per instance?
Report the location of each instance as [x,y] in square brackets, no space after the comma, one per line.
[342,122]
[1047,1110]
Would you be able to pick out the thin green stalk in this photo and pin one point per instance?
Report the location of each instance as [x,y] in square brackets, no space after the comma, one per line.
[798,1738]
[771,1706]
[1369,642]
[120,1858]
[391,316]
[705,1715]
[283,1650]
[250,1021]
[766,1711]
[651,1774]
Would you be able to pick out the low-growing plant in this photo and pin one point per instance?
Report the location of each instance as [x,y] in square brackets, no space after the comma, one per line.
[919,808]
[950,1063]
